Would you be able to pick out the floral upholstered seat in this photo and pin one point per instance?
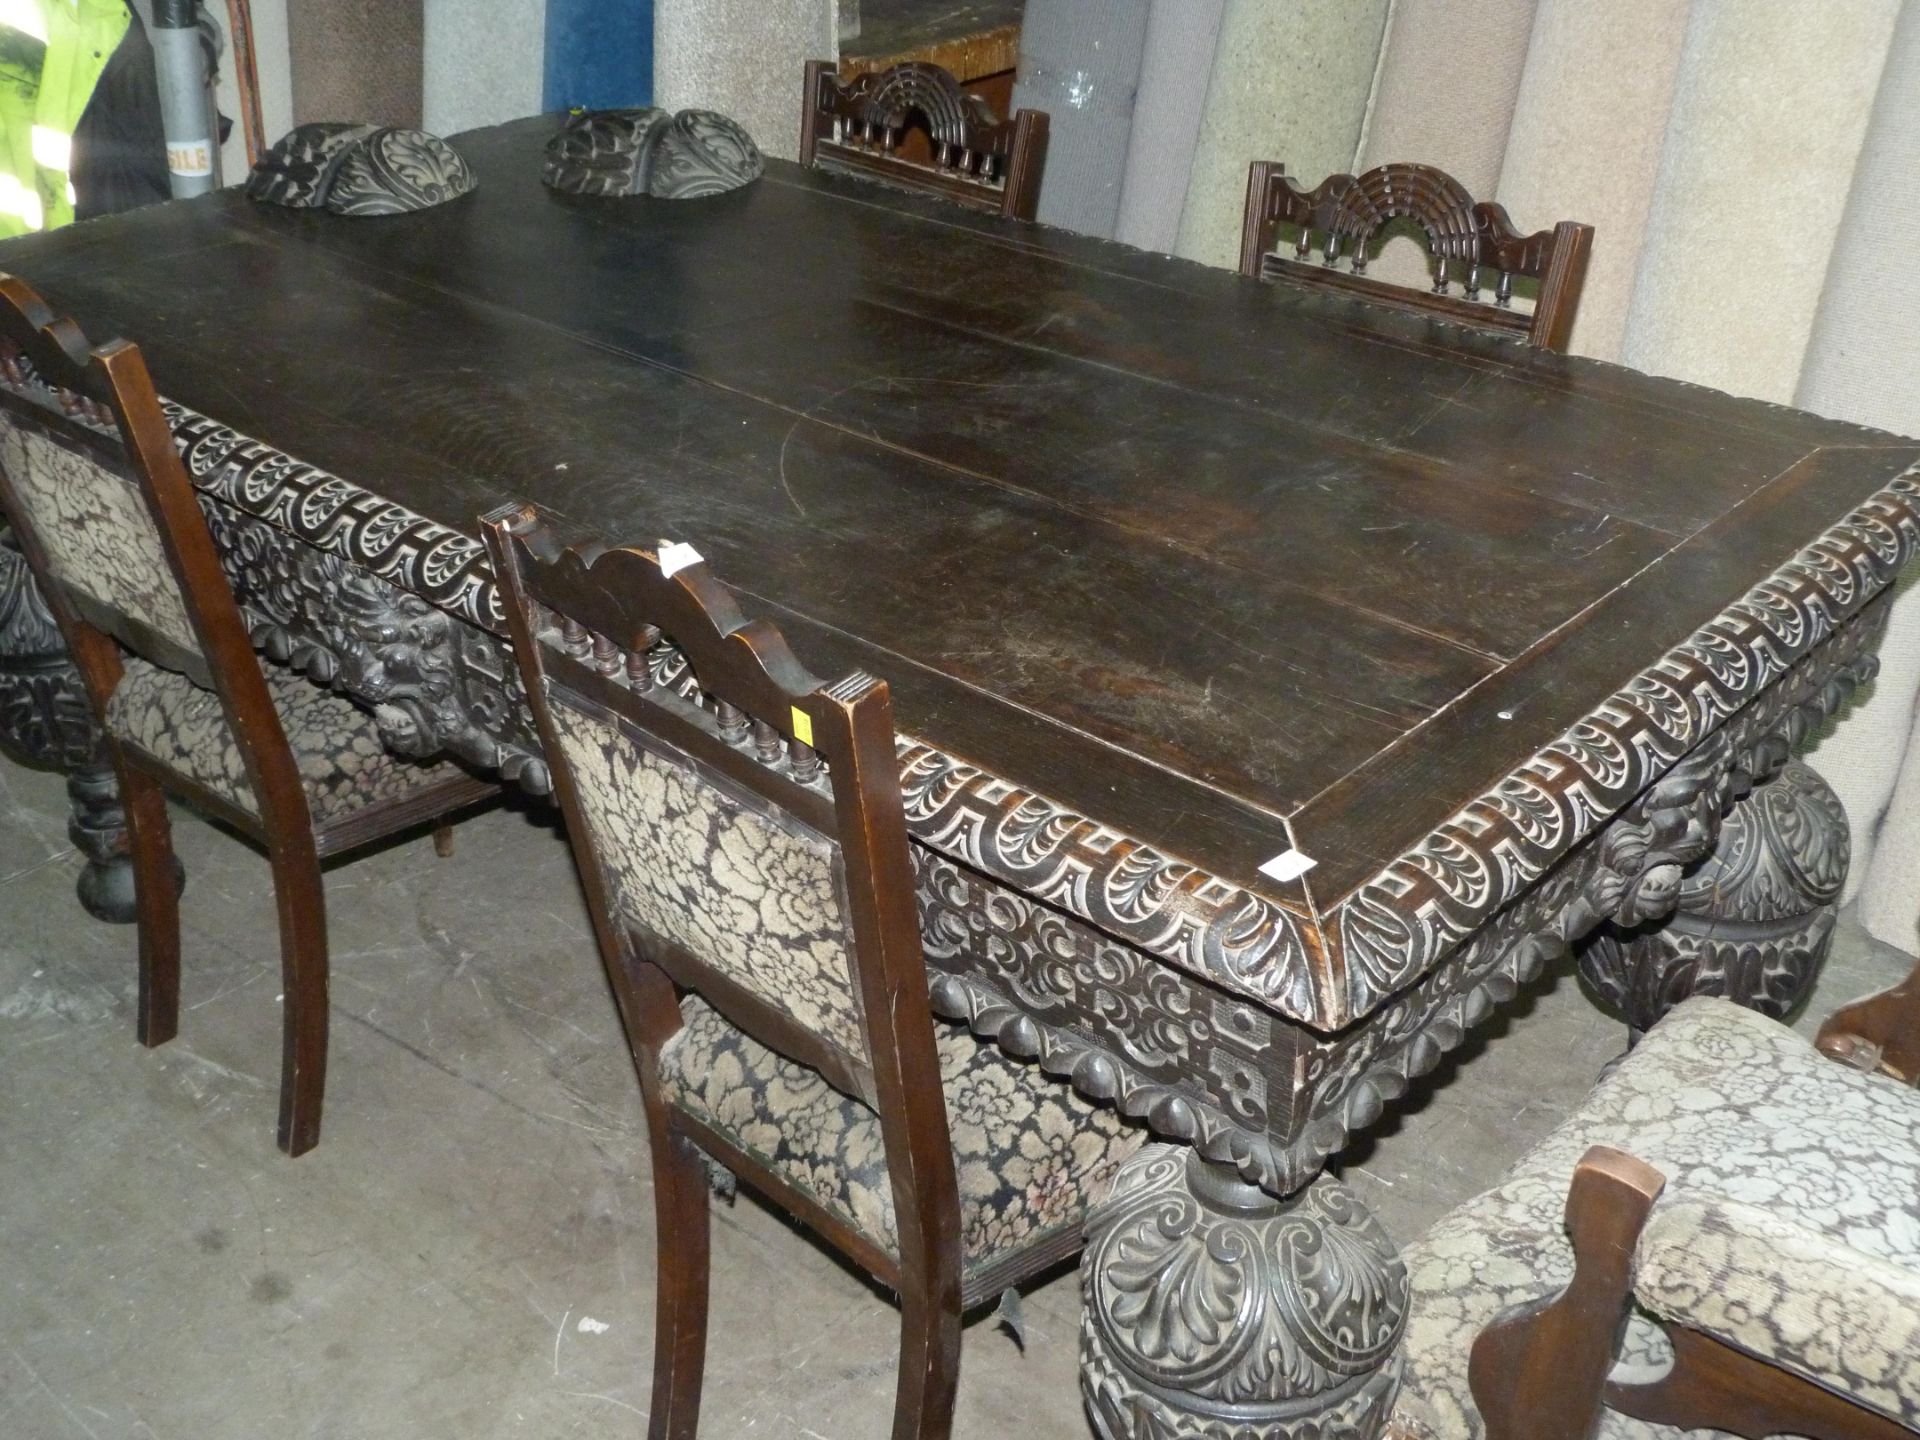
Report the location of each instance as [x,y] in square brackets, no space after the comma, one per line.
[1029,1153]
[1789,1227]
[346,768]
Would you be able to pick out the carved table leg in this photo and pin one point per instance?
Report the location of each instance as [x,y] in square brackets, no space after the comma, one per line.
[1215,1311]
[47,722]
[1754,920]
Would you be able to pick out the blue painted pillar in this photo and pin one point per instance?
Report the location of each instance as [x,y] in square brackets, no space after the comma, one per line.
[599,54]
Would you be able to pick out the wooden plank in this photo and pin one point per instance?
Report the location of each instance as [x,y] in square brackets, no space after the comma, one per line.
[1368,818]
[1127,530]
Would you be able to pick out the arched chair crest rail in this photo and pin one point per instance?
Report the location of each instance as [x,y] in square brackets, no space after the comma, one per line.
[112,527]
[975,159]
[741,838]
[1472,243]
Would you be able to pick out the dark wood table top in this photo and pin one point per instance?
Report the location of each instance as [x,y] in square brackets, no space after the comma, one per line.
[1229,568]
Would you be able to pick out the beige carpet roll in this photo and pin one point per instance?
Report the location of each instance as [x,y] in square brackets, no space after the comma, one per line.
[1585,144]
[1443,96]
[743,58]
[1769,113]
[1863,363]
[1290,82]
[1181,39]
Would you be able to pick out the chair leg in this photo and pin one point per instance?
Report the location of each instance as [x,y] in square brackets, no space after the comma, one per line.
[443,840]
[1881,1032]
[1542,1375]
[929,1366]
[680,1317]
[156,906]
[303,973]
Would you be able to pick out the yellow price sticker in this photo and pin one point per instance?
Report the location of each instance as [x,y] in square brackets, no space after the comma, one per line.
[802,726]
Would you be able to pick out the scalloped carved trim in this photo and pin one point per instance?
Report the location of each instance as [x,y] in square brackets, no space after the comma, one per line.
[441,566]
[1399,924]
[1380,939]
[1166,907]
[1021,979]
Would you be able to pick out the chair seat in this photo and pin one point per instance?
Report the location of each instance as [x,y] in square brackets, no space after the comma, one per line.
[346,768]
[1741,1115]
[1030,1154]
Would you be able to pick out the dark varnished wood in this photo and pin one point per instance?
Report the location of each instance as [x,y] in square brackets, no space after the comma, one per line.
[1714,1386]
[618,604]
[111,413]
[969,155]
[1881,1032]
[1229,567]
[1541,1375]
[1472,243]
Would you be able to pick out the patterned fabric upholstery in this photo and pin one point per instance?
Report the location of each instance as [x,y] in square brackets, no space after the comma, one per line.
[1804,1300]
[753,896]
[340,756]
[1030,1154]
[96,531]
[1740,1114]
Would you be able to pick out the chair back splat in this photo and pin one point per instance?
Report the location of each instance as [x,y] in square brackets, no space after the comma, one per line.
[104,510]
[975,159]
[1471,243]
[114,532]
[741,832]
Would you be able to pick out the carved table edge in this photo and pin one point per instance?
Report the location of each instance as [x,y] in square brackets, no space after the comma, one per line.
[1352,1078]
[1324,972]
[1396,926]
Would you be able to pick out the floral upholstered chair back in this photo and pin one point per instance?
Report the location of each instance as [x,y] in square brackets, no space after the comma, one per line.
[738,823]
[77,430]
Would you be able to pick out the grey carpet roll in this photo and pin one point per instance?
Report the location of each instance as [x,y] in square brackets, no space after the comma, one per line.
[744,58]
[1080,63]
[1290,80]
[1769,112]
[1588,125]
[1175,61]
[356,60]
[1444,96]
[1863,363]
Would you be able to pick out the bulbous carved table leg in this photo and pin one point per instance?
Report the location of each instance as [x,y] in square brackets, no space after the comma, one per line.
[1215,1311]
[46,722]
[1754,919]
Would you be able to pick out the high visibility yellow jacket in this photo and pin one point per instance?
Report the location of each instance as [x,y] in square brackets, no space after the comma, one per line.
[51,56]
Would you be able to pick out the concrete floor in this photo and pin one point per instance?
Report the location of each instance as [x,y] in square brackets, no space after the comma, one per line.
[468,1253]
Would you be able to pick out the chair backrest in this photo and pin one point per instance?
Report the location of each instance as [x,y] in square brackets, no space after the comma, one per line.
[1466,239]
[738,823]
[107,518]
[974,158]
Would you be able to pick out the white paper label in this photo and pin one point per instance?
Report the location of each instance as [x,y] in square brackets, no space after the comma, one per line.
[1288,865]
[677,555]
[190,157]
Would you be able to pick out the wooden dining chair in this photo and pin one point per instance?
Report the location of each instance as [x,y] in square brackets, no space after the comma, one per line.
[973,158]
[741,839]
[1724,1238]
[111,525]
[1465,238]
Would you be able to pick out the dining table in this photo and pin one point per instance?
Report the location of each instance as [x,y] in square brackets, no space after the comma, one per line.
[1283,681]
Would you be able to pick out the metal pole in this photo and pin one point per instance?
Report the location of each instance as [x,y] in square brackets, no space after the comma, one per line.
[185,111]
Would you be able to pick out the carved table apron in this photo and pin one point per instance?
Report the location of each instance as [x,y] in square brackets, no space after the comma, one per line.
[1065,944]
[1514,646]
